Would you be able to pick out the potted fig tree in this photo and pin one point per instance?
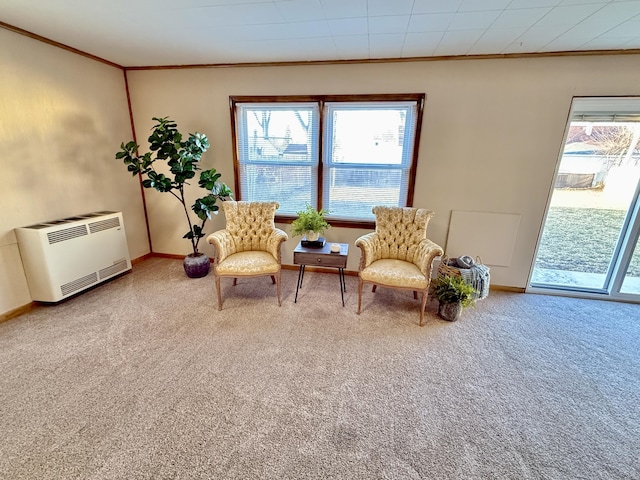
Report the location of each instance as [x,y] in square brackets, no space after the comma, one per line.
[182,157]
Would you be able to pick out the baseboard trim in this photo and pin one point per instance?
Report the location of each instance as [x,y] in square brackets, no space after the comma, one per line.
[284,266]
[171,256]
[135,261]
[309,268]
[16,312]
[504,288]
[167,255]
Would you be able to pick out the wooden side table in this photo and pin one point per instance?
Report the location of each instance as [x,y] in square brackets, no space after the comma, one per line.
[321,257]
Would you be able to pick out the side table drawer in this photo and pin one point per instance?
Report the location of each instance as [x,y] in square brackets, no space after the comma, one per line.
[322,260]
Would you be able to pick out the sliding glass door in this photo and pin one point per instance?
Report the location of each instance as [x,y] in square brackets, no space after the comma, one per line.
[589,239]
[631,279]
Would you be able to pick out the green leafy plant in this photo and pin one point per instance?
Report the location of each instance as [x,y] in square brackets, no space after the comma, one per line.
[453,289]
[309,219]
[182,157]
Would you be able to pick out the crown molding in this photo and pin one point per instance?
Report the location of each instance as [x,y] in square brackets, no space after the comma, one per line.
[568,53]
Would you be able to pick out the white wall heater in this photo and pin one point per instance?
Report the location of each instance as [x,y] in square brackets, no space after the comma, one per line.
[64,257]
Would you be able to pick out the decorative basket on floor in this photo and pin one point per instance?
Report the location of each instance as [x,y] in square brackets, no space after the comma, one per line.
[478,277]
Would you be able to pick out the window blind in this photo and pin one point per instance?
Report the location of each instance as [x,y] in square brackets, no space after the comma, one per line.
[605,109]
[368,152]
[278,153]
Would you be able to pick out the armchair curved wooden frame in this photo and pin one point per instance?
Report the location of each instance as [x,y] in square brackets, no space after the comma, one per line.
[398,254]
[249,246]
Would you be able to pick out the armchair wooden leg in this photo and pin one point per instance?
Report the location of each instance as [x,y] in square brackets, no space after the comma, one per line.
[276,279]
[415,295]
[424,303]
[373,288]
[218,291]
[235,282]
[273,279]
[359,294]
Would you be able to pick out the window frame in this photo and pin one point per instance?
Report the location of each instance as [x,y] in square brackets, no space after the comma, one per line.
[418,98]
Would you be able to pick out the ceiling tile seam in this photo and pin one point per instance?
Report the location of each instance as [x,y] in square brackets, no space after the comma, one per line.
[486,30]
[406,30]
[446,29]
[540,49]
[610,29]
[580,22]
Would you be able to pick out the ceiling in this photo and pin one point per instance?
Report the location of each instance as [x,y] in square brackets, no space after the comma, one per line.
[186,32]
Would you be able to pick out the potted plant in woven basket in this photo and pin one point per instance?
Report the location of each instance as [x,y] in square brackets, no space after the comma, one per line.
[453,294]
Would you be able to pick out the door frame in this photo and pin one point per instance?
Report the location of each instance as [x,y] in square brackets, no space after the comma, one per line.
[627,242]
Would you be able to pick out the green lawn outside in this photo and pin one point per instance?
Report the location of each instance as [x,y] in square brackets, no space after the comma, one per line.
[582,240]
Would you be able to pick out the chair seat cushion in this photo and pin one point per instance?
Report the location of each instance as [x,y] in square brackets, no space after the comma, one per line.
[395,273]
[248,263]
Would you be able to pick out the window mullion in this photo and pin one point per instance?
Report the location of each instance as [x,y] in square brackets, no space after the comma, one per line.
[320,176]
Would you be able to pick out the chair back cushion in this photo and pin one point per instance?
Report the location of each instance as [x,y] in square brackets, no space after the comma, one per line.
[400,230]
[250,223]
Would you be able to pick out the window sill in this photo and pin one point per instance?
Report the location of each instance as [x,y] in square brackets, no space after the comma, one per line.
[365,224]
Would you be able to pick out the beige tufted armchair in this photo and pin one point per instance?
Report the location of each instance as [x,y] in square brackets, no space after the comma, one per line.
[398,254]
[250,244]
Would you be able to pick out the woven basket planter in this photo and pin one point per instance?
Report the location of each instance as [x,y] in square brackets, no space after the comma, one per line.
[448,267]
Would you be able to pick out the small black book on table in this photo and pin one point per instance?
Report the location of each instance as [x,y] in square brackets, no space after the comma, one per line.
[313,243]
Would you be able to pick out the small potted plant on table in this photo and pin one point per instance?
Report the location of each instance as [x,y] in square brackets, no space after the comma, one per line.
[311,223]
[453,294]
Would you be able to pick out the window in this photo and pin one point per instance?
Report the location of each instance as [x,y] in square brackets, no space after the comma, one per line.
[342,153]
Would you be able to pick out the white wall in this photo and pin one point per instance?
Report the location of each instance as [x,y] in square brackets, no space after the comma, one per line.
[491,135]
[62,118]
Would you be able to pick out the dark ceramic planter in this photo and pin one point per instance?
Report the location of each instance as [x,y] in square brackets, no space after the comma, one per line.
[196,266]
[450,311]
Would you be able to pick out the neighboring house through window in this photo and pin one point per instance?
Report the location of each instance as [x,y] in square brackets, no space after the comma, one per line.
[344,153]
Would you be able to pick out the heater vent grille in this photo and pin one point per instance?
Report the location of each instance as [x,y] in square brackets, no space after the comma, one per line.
[120,266]
[79,284]
[67,234]
[113,222]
